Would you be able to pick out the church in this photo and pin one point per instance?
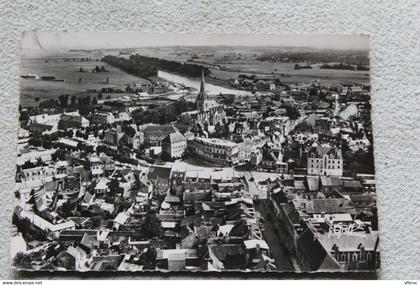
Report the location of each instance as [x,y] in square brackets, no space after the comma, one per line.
[208,114]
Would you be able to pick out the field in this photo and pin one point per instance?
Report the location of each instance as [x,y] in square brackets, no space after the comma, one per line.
[69,71]
[227,63]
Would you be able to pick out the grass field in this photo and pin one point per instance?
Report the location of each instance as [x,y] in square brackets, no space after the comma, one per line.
[227,65]
[69,71]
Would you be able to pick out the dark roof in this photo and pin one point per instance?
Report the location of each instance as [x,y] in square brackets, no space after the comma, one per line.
[161,172]
[224,250]
[160,128]
[174,137]
[130,131]
[352,184]
[315,256]
[361,197]
[313,183]
[320,151]
[88,241]
[330,205]
[39,127]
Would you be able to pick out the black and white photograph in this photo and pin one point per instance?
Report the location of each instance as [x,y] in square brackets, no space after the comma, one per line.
[177,152]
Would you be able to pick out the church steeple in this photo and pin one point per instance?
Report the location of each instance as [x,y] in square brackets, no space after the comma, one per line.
[202,95]
[202,82]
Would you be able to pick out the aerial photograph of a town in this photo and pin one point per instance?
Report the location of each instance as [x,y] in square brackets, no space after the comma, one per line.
[182,152]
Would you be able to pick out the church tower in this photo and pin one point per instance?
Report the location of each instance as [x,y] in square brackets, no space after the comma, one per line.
[337,106]
[202,97]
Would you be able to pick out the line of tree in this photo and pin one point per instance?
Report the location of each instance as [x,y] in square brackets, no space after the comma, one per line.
[188,69]
[162,114]
[143,66]
[298,66]
[349,56]
[130,66]
[344,66]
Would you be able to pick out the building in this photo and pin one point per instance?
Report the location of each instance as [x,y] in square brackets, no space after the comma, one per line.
[103,118]
[323,160]
[47,119]
[56,225]
[209,113]
[271,160]
[154,134]
[113,136]
[160,177]
[217,151]
[96,166]
[69,121]
[132,137]
[174,145]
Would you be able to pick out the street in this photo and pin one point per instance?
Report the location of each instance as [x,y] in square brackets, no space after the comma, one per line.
[283,260]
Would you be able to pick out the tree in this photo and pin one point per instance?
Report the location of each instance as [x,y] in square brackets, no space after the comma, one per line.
[70,133]
[47,144]
[374,221]
[73,101]
[151,255]
[64,100]
[22,260]
[151,227]
[100,96]
[50,103]
[114,186]
[35,141]
[291,112]
[95,222]
[95,101]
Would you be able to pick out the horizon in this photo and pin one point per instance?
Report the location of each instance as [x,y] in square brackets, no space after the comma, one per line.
[35,43]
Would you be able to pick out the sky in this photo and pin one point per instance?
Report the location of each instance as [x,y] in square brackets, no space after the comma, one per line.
[44,42]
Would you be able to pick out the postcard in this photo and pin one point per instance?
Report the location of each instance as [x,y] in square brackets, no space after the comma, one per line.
[195,152]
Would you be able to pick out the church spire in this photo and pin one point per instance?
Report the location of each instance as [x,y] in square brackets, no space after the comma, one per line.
[202,82]
[202,95]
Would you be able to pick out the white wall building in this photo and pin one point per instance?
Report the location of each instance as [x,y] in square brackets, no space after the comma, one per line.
[325,161]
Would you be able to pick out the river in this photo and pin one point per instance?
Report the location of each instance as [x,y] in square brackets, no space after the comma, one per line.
[195,83]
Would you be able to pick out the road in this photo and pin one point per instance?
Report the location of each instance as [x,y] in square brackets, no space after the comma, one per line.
[283,261]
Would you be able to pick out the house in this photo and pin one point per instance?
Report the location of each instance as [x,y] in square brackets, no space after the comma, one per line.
[174,145]
[120,220]
[154,134]
[113,136]
[96,166]
[55,226]
[101,186]
[322,160]
[127,180]
[102,118]
[272,161]
[226,257]
[132,137]
[72,121]
[216,151]
[160,177]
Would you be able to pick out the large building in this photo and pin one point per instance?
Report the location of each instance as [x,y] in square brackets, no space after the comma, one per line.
[103,118]
[72,121]
[174,145]
[154,134]
[323,160]
[217,151]
[208,113]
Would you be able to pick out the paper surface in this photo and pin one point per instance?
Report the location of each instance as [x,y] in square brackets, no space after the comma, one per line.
[182,152]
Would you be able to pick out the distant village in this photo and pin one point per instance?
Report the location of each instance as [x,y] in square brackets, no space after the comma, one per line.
[280,180]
